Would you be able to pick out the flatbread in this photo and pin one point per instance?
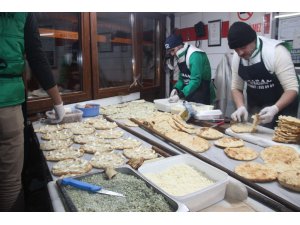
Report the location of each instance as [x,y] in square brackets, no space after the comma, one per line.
[242,127]
[55,144]
[48,128]
[57,135]
[290,179]
[64,153]
[279,153]
[209,133]
[83,130]
[86,139]
[71,166]
[195,143]
[107,159]
[121,143]
[129,123]
[97,147]
[256,172]
[104,125]
[241,153]
[109,134]
[229,142]
[140,152]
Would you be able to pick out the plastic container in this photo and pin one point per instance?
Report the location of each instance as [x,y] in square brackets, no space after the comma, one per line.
[209,114]
[198,200]
[72,116]
[164,104]
[89,110]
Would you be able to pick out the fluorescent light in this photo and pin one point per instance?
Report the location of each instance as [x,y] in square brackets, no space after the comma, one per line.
[287,15]
[47,34]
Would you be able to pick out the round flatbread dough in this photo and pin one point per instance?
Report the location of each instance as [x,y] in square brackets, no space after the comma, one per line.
[109,134]
[229,142]
[140,152]
[279,153]
[290,179]
[107,159]
[209,133]
[256,172]
[57,135]
[71,166]
[55,144]
[64,153]
[241,153]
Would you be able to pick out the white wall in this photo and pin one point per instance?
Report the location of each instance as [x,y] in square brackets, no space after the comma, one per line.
[183,20]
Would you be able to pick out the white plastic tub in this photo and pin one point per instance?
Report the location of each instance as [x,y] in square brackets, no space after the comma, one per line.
[197,200]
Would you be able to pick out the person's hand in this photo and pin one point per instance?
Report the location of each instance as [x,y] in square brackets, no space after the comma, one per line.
[59,112]
[267,114]
[240,115]
[173,92]
[174,99]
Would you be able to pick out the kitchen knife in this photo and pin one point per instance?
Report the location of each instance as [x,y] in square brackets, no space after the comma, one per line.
[88,187]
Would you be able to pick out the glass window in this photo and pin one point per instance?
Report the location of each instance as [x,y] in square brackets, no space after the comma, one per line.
[114,42]
[148,51]
[59,37]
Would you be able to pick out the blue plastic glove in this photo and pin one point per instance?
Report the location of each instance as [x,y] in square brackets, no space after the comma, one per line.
[267,114]
[240,115]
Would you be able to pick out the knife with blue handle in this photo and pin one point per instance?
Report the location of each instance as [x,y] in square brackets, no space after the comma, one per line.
[88,187]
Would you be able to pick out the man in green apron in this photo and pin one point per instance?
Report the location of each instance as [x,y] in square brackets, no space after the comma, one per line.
[194,82]
[19,35]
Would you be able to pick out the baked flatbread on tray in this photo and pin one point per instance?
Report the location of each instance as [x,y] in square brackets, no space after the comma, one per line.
[246,127]
[241,153]
[64,153]
[229,142]
[71,166]
[242,127]
[195,143]
[256,172]
[279,153]
[290,179]
[209,133]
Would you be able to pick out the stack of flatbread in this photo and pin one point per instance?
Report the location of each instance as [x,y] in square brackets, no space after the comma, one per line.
[287,130]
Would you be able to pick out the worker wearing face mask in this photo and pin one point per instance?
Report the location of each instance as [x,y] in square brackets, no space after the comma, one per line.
[194,83]
[266,66]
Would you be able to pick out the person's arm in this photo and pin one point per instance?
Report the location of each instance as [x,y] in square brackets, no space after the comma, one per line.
[40,66]
[285,71]
[238,98]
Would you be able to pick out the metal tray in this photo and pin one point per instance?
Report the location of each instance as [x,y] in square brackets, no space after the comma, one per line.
[70,206]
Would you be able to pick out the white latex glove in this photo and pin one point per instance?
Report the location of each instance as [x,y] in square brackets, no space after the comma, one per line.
[241,114]
[267,114]
[174,99]
[173,92]
[59,112]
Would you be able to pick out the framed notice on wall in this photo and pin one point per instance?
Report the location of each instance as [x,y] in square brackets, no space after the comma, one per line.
[214,33]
